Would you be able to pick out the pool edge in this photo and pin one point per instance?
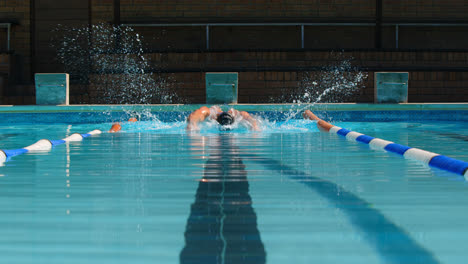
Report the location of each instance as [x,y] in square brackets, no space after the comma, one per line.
[245,107]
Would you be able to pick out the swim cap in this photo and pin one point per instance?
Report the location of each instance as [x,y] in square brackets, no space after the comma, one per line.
[225,119]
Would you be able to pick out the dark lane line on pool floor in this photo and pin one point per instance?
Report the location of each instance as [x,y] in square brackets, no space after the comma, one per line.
[394,244]
[222,226]
[450,135]
[445,134]
[7,136]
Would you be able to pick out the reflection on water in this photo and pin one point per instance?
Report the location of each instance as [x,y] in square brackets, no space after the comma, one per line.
[315,198]
[222,226]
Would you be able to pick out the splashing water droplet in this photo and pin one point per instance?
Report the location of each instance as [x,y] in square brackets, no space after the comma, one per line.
[335,83]
[110,61]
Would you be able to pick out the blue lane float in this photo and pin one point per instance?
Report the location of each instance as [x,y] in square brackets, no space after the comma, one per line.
[44,145]
[432,159]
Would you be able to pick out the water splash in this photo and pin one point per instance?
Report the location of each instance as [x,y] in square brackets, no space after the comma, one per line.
[337,82]
[110,61]
[207,128]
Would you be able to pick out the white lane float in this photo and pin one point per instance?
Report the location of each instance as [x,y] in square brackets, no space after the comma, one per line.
[432,159]
[44,145]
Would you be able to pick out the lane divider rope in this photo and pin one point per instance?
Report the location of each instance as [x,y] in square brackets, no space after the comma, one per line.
[45,144]
[432,159]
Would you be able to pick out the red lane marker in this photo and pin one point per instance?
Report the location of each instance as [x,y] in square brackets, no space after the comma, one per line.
[115,128]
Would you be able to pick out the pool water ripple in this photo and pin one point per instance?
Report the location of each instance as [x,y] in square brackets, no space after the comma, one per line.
[292,195]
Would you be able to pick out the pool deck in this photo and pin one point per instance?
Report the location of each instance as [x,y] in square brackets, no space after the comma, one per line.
[245,107]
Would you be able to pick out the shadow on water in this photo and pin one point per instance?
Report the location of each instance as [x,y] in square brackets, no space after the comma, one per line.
[393,243]
[453,135]
[6,136]
[222,226]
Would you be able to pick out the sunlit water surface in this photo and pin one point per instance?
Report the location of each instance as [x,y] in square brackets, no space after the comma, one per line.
[290,194]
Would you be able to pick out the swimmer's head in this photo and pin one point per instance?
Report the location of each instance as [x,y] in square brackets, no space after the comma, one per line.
[225,119]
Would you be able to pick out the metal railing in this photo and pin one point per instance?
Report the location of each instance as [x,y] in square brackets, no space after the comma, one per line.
[208,25]
[398,25]
[8,27]
[301,25]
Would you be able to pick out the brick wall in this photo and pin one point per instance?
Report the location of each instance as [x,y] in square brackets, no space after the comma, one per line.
[438,86]
[161,38]
[433,37]
[267,77]
[144,10]
[315,37]
[411,10]
[179,59]
[18,12]
[297,60]
[102,11]
[51,15]
[352,37]
[283,87]
[406,10]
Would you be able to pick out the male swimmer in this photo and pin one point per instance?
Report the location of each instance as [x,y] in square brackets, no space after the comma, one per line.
[225,119]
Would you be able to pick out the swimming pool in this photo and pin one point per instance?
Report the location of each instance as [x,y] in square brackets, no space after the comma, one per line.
[155,194]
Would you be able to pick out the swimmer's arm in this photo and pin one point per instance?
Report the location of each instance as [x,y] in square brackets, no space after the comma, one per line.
[309,115]
[322,125]
[196,117]
[247,117]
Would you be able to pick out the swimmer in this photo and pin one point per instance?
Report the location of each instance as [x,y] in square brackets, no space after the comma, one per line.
[225,119]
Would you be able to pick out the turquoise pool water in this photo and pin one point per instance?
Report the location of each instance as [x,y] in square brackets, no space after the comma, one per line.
[155,194]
